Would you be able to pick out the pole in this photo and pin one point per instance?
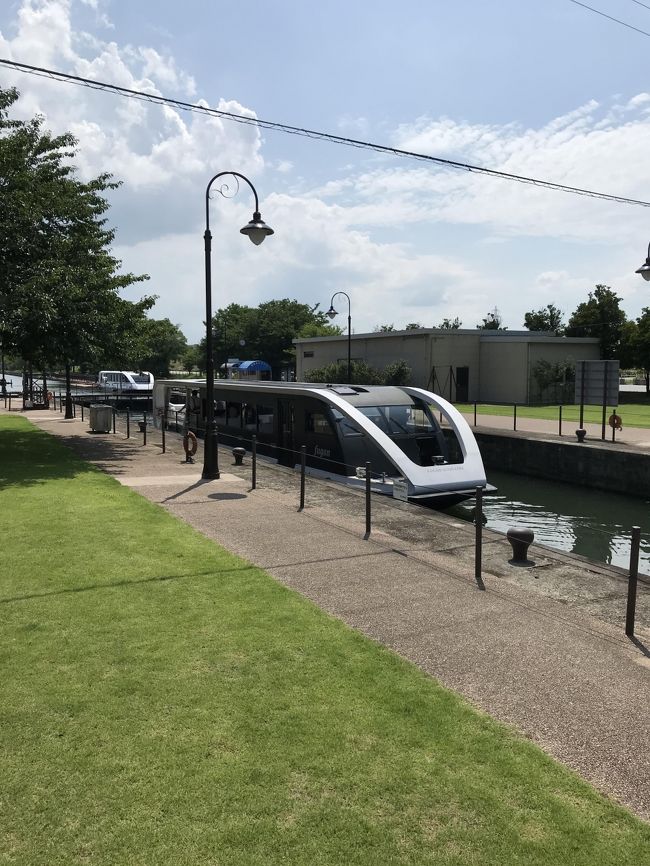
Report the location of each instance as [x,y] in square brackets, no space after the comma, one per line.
[632,581]
[163,425]
[211,446]
[478,547]
[349,345]
[144,428]
[303,455]
[475,414]
[582,394]
[368,515]
[604,418]
[254,462]
[113,413]
[128,424]
[514,416]
[560,422]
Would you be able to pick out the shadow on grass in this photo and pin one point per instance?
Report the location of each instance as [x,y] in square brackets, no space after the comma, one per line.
[29,456]
[91,587]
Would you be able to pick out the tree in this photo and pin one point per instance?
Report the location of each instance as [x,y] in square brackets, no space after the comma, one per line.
[266,332]
[58,279]
[492,322]
[162,343]
[396,373]
[548,318]
[450,324]
[383,329]
[413,326]
[600,316]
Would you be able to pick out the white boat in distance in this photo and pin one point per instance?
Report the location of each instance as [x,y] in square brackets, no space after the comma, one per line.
[342,427]
[124,381]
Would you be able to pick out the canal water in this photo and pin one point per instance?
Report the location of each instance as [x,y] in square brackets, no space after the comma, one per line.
[579,520]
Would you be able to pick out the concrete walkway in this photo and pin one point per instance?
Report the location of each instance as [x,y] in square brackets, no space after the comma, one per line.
[554,664]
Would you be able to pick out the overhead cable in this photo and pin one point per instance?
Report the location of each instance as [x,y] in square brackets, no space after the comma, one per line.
[617,20]
[310,133]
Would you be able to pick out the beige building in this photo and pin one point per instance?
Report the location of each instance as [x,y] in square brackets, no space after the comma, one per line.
[461,365]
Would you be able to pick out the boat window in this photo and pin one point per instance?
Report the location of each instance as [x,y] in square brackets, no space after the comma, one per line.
[141,378]
[250,417]
[233,412]
[265,419]
[399,420]
[345,425]
[317,422]
[220,411]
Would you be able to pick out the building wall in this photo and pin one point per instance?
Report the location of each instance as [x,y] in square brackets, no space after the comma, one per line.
[498,364]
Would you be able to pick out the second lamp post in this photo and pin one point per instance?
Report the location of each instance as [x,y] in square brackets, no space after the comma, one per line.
[256,230]
[331,313]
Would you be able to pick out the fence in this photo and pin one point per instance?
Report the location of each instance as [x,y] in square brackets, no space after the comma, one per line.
[560,419]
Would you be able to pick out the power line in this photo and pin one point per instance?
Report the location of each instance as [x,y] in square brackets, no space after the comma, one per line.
[310,133]
[617,20]
[639,3]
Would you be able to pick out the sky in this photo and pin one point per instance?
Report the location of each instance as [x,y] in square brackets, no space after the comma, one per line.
[548,90]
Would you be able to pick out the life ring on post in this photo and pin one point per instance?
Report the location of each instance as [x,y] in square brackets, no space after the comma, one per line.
[50,396]
[615,421]
[190,443]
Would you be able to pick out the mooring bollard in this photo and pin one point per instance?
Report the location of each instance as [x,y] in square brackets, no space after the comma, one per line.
[254,463]
[520,540]
[303,460]
[581,433]
[368,514]
[630,614]
[239,453]
[478,544]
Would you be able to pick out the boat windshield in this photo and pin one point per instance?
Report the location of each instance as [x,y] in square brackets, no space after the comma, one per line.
[409,420]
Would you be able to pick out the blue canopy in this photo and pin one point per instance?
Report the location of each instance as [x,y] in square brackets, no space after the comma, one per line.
[254,367]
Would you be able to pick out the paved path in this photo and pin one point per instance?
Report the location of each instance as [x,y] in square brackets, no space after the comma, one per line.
[566,679]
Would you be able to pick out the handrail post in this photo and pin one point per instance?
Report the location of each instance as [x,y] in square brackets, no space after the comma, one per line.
[560,422]
[368,512]
[113,414]
[254,462]
[163,424]
[128,423]
[303,456]
[144,427]
[514,427]
[82,412]
[632,581]
[478,547]
[475,413]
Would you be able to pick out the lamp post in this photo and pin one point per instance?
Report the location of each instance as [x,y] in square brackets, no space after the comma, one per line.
[644,270]
[256,230]
[331,313]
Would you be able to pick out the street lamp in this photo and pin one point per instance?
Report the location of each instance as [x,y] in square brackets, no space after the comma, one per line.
[644,270]
[256,230]
[331,313]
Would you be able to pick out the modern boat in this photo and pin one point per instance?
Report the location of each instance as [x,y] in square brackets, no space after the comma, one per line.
[418,445]
[124,381]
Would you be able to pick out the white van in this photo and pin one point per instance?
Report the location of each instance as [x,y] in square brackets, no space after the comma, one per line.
[124,381]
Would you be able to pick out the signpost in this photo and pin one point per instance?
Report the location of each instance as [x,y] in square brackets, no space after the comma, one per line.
[401,490]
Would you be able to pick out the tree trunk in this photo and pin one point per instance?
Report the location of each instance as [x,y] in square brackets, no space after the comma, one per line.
[68,393]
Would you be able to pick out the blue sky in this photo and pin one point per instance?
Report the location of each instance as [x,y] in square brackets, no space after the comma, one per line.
[549,90]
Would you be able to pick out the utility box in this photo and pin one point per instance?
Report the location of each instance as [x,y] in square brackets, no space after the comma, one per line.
[101,418]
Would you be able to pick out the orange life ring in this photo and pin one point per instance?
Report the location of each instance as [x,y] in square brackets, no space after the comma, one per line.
[50,396]
[190,443]
[615,421]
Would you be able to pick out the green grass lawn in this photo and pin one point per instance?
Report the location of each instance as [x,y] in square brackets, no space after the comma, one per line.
[164,702]
[632,414]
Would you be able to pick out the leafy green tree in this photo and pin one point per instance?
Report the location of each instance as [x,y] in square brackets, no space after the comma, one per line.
[362,374]
[600,316]
[58,279]
[450,324]
[266,332]
[162,344]
[396,373]
[492,322]
[549,318]
[384,329]
[413,326]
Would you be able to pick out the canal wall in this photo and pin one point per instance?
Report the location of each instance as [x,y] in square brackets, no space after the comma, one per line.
[601,465]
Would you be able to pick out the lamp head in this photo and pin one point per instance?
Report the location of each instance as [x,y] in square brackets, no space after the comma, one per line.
[257,229]
[644,270]
[331,312]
